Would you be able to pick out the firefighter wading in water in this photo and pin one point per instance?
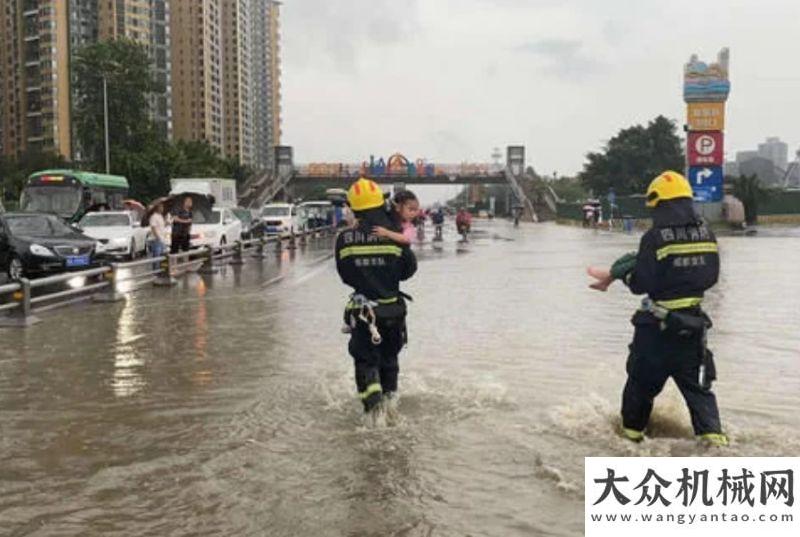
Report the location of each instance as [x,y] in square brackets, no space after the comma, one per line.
[374,267]
[677,262]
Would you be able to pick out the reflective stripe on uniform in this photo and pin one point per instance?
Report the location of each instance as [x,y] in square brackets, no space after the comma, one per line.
[353,306]
[383,249]
[687,249]
[375,387]
[680,303]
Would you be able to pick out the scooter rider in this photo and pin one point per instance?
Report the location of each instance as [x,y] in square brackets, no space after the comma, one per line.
[677,262]
[438,221]
[374,267]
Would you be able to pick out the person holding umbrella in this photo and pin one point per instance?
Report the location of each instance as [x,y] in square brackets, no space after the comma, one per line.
[182,226]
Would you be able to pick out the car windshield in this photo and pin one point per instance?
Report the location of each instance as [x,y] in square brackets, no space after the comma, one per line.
[243,215]
[37,225]
[201,218]
[275,211]
[105,220]
[51,199]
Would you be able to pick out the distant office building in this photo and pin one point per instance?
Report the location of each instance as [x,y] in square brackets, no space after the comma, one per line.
[266,76]
[744,156]
[731,169]
[197,85]
[776,151]
[34,70]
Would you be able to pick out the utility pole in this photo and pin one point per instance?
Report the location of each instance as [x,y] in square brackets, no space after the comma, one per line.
[105,120]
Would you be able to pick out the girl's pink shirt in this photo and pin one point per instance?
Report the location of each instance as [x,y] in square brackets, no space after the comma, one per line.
[409,231]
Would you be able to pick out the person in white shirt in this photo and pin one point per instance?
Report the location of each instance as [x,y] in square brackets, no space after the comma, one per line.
[158,232]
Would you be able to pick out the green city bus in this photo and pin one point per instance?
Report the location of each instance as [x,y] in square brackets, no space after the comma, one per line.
[71,194]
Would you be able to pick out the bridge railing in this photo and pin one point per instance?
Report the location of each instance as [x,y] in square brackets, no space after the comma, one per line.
[111,283]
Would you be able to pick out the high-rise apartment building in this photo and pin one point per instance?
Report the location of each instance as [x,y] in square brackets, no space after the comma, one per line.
[226,76]
[124,19]
[236,72]
[160,52]
[266,80]
[217,62]
[197,91]
[146,22]
[34,70]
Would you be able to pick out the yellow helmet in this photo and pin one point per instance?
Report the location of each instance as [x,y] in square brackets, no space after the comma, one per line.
[365,194]
[668,186]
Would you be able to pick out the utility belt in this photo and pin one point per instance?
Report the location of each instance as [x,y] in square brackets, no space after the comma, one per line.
[383,311]
[681,316]
[687,320]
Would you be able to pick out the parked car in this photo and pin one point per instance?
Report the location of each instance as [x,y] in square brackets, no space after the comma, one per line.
[252,226]
[218,228]
[38,243]
[315,214]
[118,233]
[280,218]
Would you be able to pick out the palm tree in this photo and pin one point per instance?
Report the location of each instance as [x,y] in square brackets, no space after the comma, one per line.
[750,190]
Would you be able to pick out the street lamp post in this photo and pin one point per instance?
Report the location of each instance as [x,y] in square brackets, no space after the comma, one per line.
[105,121]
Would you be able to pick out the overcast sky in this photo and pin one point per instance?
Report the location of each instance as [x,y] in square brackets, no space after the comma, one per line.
[449,80]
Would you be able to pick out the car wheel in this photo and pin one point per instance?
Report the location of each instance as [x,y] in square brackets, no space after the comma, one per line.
[15,269]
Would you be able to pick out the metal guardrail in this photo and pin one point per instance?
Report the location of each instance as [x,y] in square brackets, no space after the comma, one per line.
[111,283]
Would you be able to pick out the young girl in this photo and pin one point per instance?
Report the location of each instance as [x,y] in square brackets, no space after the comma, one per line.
[406,210]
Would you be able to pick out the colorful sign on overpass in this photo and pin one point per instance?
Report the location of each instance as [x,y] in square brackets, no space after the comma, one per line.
[396,166]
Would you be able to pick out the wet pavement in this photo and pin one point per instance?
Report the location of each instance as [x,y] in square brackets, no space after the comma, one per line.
[226,405]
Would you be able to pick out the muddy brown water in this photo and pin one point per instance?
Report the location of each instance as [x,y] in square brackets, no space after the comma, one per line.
[226,406]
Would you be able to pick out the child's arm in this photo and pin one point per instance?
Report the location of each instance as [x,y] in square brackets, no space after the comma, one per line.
[394,236]
[618,271]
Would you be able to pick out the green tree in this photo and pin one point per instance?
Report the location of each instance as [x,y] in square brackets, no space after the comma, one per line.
[15,171]
[569,189]
[125,66]
[750,190]
[633,157]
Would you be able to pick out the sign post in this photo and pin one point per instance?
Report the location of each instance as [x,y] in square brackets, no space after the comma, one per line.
[706,89]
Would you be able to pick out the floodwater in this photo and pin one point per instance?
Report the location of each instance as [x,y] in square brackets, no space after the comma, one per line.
[226,406]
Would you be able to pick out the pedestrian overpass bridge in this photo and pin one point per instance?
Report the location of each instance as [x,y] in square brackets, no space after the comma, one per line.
[396,169]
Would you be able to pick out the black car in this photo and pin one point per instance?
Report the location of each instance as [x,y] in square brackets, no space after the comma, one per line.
[35,243]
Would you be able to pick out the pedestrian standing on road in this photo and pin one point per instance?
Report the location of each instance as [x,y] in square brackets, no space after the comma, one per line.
[158,233]
[374,267]
[182,227]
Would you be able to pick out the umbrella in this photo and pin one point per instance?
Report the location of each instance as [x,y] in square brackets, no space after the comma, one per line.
[201,203]
[133,205]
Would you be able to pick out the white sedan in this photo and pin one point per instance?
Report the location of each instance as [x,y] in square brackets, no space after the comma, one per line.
[221,228]
[118,234]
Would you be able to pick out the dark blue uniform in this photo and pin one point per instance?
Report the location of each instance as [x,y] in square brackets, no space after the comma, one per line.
[374,268]
[677,262]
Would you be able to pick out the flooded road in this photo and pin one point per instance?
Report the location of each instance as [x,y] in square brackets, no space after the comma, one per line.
[226,406]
